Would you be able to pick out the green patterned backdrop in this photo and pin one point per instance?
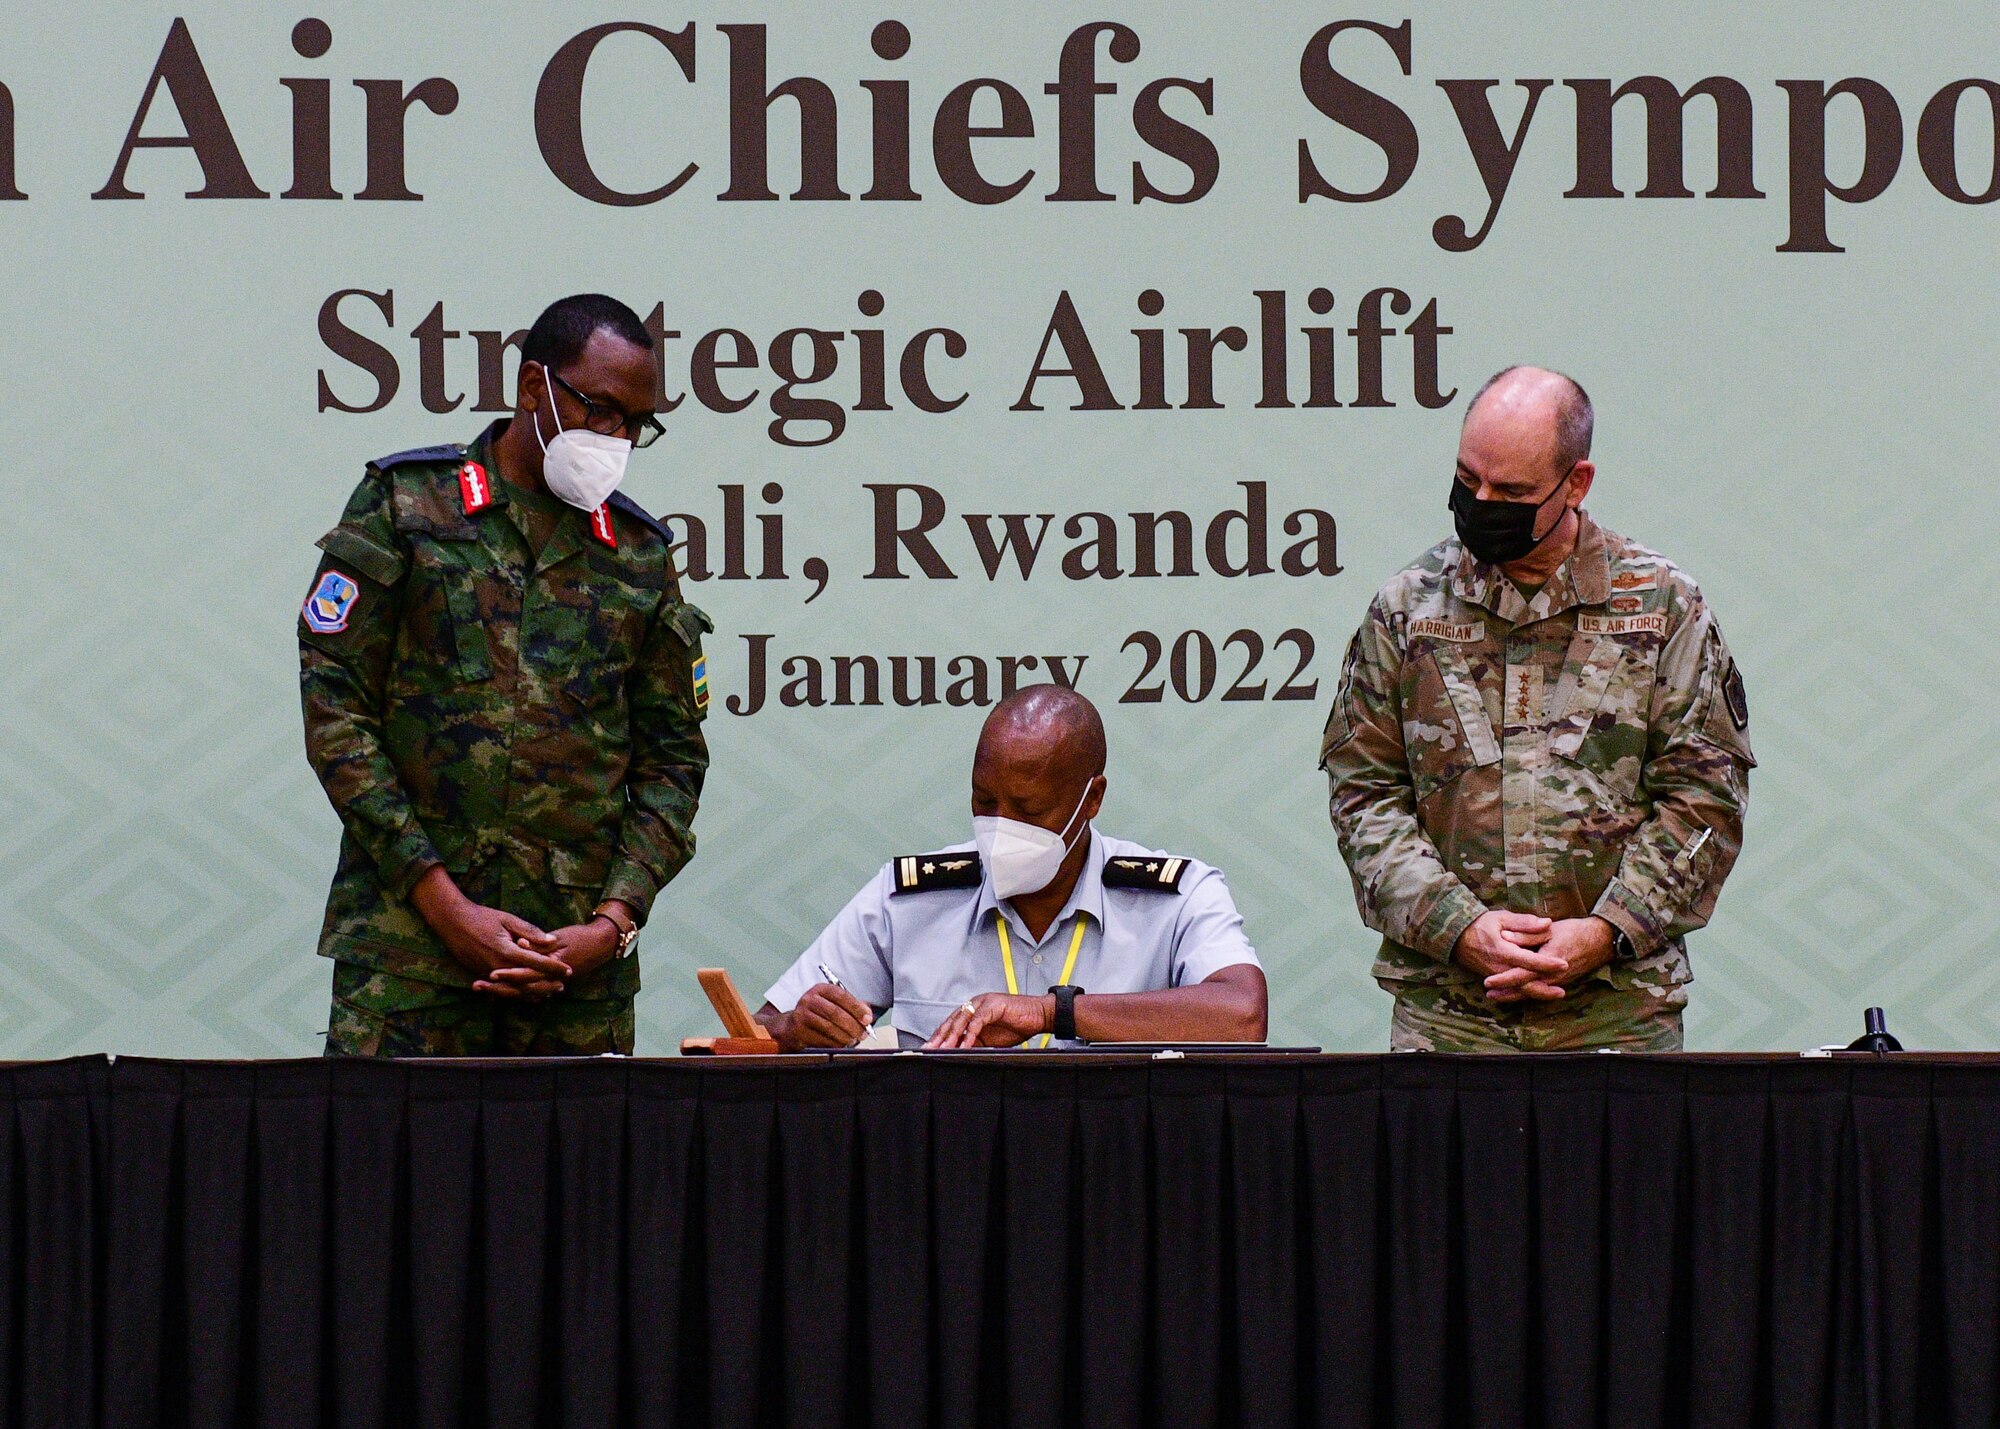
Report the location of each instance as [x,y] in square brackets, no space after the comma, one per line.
[1807,433]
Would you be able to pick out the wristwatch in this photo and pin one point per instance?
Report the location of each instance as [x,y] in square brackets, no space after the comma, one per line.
[1064,1029]
[628,931]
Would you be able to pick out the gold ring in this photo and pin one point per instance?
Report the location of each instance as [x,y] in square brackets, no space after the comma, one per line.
[967,1008]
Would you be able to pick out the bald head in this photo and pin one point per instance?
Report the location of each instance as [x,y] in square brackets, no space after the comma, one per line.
[1038,752]
[1048,724]
[1532,408]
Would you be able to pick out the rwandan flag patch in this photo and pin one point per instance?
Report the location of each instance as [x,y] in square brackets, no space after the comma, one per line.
[701,682]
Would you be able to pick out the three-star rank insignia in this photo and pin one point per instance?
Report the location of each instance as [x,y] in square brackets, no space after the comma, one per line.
[923,872]
[1154,873]
[475,488]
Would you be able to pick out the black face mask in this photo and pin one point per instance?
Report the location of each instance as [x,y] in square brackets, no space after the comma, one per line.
[1499,532]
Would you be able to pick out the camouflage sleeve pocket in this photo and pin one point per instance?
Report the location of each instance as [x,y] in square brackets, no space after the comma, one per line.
[1339,722]
[1694,862]
[1339,729]
[690,622]
[1727,719]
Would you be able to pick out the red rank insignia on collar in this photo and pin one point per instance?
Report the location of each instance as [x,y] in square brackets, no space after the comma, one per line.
[475,488]
[600,527]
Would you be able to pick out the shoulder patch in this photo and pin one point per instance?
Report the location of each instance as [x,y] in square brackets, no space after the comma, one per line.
[620,501]
[1160,873]
[1739,702]
[330,603]
[452,454]
[923,872]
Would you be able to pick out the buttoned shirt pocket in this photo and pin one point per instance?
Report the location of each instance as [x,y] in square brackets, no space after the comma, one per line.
[605,651]
[443,638]
[1446,729]
[1601,716]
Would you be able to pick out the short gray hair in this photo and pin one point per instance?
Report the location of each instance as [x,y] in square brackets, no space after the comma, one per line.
[1576,419]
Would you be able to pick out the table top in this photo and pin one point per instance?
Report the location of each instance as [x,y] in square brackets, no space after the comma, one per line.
[1098,1057]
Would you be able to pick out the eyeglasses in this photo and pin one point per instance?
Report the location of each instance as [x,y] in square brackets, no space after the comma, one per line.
[608,421]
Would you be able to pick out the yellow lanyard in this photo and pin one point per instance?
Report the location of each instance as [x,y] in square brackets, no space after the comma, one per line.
[1007,959]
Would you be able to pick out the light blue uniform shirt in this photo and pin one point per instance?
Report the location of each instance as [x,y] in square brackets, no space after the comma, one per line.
[921,954]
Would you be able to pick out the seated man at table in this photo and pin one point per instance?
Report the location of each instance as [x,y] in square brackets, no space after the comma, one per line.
[1095,939]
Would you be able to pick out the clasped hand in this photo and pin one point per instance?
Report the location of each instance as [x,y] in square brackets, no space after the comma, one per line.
[1525,958]
[508,956]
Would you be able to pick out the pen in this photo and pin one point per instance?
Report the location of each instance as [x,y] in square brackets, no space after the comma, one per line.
[828,973]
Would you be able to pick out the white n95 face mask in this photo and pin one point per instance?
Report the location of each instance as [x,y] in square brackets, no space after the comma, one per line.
[581,467]
[1022,857]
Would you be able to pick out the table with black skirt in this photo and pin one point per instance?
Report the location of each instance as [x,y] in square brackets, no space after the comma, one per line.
[1039,1239]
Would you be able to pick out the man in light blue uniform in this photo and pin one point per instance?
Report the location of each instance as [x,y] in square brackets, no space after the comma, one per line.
[1093,939]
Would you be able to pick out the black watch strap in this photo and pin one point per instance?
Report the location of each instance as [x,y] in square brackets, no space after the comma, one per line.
[1065,1021]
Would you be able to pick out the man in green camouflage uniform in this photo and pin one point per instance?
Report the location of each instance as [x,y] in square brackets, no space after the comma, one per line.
[1539,759]
[503,700]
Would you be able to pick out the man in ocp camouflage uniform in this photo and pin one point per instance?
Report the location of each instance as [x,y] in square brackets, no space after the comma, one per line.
[503,698]
[1539,756]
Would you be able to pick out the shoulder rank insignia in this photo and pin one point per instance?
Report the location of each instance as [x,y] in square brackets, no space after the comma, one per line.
[1156,873]
[475,488]
[922,872]
[621,502]
[453,454]
[601,528]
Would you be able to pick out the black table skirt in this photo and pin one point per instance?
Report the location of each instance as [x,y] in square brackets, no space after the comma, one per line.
[1421,1241]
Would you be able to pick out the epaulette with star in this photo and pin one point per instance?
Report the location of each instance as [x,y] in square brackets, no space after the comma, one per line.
[1154,873]
[924,872]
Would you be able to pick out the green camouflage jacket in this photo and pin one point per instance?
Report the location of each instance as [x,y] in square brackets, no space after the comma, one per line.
[1584,753]
[532,724]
